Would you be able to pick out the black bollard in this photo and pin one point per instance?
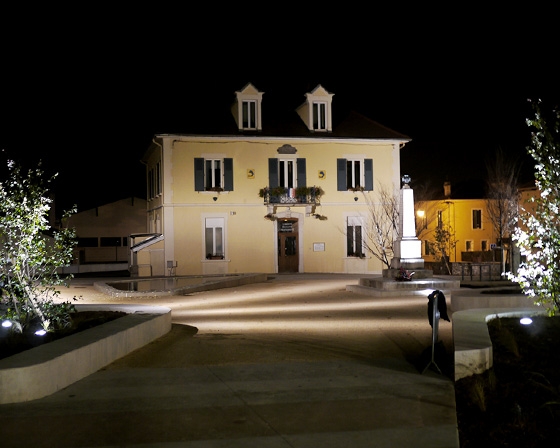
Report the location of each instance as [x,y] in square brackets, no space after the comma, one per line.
[437,308]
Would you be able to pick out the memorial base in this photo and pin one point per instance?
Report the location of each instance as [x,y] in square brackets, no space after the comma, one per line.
[389,287]
[418,273]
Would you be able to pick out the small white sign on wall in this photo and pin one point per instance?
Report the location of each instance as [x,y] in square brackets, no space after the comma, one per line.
[318,247]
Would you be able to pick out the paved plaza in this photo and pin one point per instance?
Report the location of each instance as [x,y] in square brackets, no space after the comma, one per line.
[295,361]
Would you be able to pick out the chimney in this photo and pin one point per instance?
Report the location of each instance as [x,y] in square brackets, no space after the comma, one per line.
[447,189]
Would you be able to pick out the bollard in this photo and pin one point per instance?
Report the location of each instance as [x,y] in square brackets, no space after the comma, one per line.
[436,308]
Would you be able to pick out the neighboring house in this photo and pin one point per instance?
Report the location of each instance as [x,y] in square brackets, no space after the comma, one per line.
[468,222]
[477,240]
[269,189]
[103,234]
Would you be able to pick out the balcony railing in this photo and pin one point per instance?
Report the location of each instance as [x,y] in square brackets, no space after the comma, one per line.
[291,196]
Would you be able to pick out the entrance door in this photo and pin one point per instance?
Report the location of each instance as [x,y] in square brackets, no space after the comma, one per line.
[288,257]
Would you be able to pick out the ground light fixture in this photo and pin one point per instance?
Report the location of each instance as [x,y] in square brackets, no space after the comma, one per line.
[41,332]
[6,323]
[525,321]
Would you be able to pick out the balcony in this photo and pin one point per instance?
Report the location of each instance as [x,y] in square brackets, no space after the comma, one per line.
[291,196]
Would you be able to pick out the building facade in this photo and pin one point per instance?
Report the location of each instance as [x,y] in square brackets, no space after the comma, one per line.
[468,223]
[272,190]
[103,235]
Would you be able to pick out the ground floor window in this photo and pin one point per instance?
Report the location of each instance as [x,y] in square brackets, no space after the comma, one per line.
[214,238]
[354,237]
[428,248]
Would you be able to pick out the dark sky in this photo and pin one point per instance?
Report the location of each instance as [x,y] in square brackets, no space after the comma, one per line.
[86,93]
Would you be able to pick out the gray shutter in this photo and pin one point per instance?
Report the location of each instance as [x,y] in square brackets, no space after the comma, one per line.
[341,174]
[198,174]
[368,172]
[301,173]
[228,174]
[272,173]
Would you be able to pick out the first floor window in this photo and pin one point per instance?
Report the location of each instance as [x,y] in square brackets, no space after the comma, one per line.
[353,173]
[214,237]
[287,173]
[212,174]
[469,246]
[440,219]
[477,219]
[154,181]
[484,245]
[354,237]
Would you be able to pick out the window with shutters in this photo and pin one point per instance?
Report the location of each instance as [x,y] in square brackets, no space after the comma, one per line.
[287,173]
[353,174]
[213,174]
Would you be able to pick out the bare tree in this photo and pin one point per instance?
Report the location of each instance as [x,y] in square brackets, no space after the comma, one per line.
[383,223]
[502,199]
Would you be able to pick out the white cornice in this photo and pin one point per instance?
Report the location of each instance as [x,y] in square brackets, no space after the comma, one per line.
[259,139]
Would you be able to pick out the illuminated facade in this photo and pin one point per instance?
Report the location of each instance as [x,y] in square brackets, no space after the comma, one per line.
[277,192]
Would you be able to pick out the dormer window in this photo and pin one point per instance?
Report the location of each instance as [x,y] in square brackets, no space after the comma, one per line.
[246,109]
[320,116]
[249,110]
[316,111]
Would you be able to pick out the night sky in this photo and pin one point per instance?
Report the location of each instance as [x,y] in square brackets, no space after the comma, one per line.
[86,96]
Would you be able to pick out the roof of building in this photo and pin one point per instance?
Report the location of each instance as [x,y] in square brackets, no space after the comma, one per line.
[213,116]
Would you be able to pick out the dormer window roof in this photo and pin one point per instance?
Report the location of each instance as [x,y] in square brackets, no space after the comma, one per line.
[316,111]
[247,108]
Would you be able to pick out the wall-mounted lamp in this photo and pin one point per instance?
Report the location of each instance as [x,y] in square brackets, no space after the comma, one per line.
[355,198]
[215,198]
[422,216]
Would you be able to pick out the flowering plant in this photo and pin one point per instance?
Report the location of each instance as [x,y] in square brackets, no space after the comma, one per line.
[404,275]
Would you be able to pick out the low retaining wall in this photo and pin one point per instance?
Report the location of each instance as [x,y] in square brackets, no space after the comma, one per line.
[43,370]
[470,310]
[473,346]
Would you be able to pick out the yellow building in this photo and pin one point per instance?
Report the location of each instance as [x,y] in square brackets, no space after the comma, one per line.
[469,224]
[269,190]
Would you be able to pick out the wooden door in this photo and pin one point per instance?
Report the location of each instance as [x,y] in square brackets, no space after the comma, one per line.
[288,255]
